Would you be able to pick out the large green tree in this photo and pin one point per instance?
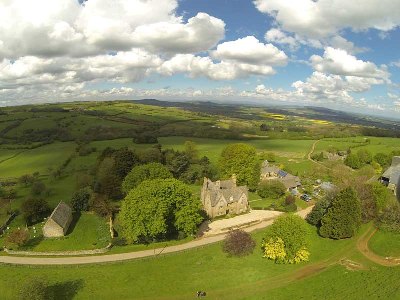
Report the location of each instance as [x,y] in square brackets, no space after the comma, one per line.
[157,209]
[286,240]
[144,172]
[240,159]
[343,218]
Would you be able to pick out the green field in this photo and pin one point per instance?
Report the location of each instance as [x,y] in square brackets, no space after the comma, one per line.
[36,160]
[385,243]
[180,275]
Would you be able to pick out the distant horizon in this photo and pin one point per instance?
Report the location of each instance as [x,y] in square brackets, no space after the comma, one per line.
[219,102]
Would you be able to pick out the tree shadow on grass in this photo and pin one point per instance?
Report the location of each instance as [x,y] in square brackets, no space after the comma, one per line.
[75,218]
[66,290]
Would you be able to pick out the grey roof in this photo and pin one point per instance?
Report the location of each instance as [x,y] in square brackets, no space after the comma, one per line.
[61,214]
[327,186]
[269,169]
[227,189]
[290,181]
[392,173]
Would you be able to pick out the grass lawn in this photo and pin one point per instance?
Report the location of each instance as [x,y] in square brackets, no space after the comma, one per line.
[385,243]
[180,275]
[86,232]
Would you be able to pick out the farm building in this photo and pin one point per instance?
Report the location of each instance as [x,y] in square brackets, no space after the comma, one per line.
[58,222]
[269,172]
[391,176]
[223,197]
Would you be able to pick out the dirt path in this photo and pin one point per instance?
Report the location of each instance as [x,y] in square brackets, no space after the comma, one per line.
[362,246]
[311,152]
[19,260]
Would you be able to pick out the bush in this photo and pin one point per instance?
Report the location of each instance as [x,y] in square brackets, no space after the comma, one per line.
[319,210]
[353,161]
[290,199]
[286,240]
[291,207]
[80,199]
[389,220]
[18,237]
[238,243]
[271,189]
[38,188]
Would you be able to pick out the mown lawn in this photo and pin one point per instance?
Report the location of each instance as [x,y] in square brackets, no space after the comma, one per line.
[180,275]
[177,276]
[385,243]
[87,231]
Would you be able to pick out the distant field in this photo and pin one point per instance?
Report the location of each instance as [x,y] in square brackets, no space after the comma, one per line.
[36,160]
[385,243]
[377,144]
[213,148]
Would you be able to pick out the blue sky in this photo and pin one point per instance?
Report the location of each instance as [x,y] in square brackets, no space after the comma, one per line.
[338,53]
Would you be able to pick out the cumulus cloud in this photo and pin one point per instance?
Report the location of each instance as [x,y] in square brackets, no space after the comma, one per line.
[235,59]
[316,19]
[250,50]
[338,61]
[66,28]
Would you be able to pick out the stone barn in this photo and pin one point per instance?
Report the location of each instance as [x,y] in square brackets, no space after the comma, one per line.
[58,222]
[223,197]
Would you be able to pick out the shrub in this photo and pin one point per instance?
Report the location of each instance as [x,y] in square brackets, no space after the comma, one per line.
[238,243]
[318,211]
[80,199]
[271,189]
[291,207]
[353,161]
[18,237]
[290,199]
[285,241]
[389,220]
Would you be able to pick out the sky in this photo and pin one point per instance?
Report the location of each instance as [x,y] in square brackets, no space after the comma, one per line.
[338,54]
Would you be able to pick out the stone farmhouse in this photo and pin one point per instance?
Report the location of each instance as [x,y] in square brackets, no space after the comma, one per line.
[271,172]
[391,176]
[58,222]
[224,197]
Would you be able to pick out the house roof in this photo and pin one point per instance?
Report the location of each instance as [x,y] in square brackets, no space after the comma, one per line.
[392,173]
[290,181]
[226,189]
[61,214]
[269,169]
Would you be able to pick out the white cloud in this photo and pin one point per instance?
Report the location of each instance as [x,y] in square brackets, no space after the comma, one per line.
[66,28]
[197,66]
[276,35]
[324,18]
[250,50]
[201,33]
[338,61]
